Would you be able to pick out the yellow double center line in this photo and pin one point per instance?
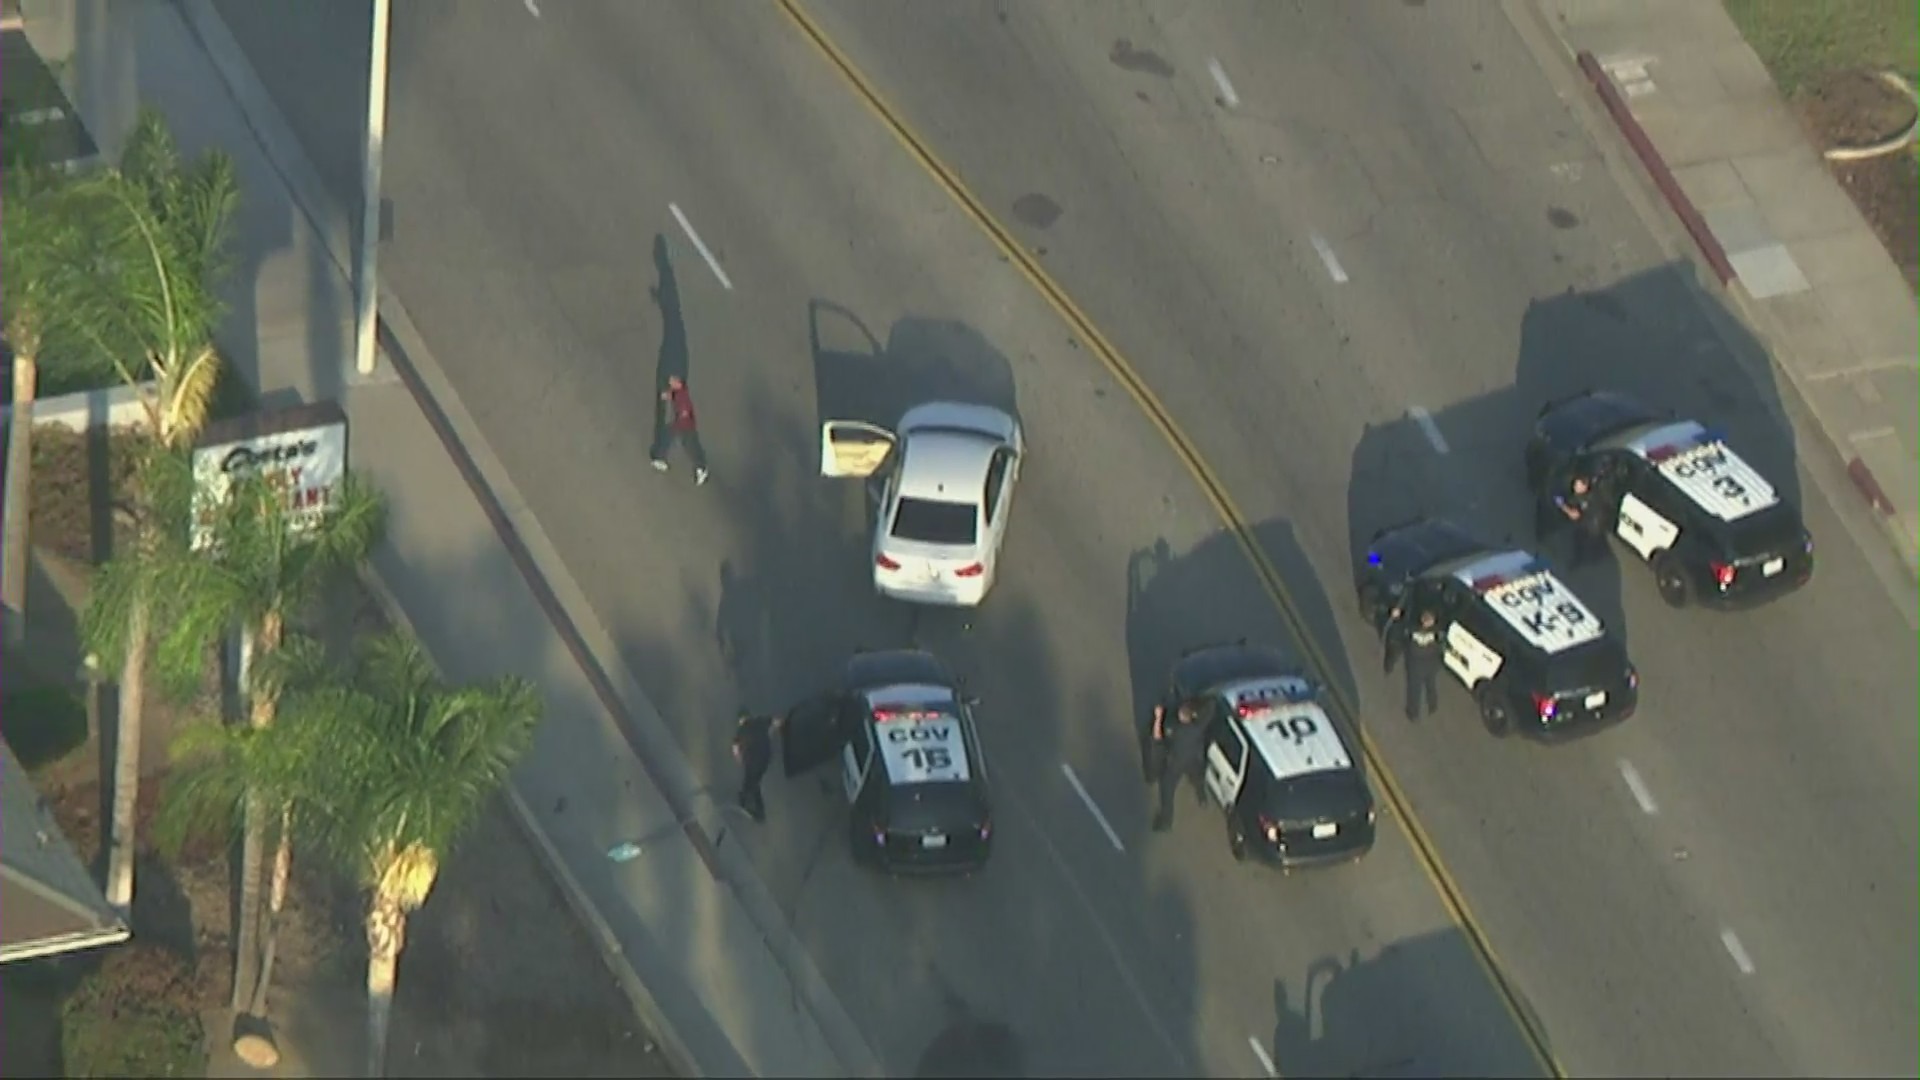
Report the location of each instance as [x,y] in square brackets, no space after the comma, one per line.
[1450,894]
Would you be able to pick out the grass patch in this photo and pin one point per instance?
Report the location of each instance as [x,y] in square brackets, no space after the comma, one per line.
[43,723]
[137,1014]
[1801,40]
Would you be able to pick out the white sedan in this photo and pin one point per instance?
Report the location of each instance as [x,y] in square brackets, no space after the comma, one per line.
[942,485]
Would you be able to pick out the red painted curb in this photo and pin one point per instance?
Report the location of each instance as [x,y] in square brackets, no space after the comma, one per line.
[1863,479]
[1656,167]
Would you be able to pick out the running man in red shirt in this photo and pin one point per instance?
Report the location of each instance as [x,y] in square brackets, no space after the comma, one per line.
[678,425]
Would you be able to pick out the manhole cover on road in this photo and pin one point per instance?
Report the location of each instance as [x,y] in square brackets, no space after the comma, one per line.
[975,1049]
[1037,210]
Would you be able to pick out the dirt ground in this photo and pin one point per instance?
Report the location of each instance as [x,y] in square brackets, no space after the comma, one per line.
[497,979]
[1853,109]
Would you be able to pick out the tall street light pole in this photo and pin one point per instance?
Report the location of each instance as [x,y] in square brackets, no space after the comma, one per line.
[369,287]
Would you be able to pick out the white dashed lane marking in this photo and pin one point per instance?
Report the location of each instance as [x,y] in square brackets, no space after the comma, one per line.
[1079,789]
[1227,96]
[1327,256]
[1638,787]
[533,9]
[700,245]
[1738,951]
[1266,1061]
[1425,419]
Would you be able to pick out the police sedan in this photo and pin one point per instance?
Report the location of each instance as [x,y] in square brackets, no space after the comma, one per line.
[901,727]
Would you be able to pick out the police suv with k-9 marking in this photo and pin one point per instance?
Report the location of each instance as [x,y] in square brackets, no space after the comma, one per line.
[1535,657]
[1276,761]
[1714,530]
[901,727]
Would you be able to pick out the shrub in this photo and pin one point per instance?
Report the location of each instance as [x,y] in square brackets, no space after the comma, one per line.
[137,1014]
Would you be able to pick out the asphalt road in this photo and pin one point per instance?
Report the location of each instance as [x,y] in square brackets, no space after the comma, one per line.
[1389,209]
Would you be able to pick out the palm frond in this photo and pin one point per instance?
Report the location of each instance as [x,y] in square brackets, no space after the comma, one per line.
[299,665]
[415,762]
[187,397]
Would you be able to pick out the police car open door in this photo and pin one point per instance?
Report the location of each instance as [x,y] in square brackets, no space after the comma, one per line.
[853,447]
[815,731]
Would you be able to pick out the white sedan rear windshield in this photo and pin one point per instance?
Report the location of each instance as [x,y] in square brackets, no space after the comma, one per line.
[929,521]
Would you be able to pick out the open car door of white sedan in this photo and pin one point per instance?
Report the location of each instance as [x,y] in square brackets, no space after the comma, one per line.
[853,448]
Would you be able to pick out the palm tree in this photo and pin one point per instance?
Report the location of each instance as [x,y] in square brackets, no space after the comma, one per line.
[40,246]
[226,777]
[148,303]
[413,763]
[261,568]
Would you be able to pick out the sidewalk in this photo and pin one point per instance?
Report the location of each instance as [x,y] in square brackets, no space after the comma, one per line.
[1800,262]
[699,943]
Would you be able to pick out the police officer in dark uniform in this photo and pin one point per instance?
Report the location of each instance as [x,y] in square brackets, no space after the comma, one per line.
[753,749]
[1185,750]
[1417,641]
[1578,508]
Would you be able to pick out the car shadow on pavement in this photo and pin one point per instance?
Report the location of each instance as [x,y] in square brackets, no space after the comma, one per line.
[856,377]
[1212,594]
[1396,1013]
[1651,336]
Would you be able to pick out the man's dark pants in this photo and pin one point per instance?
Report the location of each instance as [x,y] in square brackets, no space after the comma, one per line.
[689,438]
[1423,680]
[1179,769]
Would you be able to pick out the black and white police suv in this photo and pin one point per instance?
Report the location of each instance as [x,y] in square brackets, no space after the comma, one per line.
[1277,763]
[901,726]
[1713,529]
[1534,656]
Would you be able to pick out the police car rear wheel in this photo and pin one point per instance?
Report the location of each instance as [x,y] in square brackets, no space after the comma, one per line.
[1670,579]
[1495,714]
[1237,840]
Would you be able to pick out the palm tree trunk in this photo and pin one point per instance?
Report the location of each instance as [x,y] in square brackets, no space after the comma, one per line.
[251,951]
[19,495]
[246,958]
[386,934]
[276,902]
[126,762]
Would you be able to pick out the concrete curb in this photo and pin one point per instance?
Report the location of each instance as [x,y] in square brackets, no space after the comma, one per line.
[1650,158]
[1656,166]
[553,588]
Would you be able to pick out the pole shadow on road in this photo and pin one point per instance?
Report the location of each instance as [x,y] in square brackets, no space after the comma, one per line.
[1651,336]
[1376,1016]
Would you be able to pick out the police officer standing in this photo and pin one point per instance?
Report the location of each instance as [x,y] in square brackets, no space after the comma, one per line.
[753,749]
[1185,745]
[1420,646]
[1576,507]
